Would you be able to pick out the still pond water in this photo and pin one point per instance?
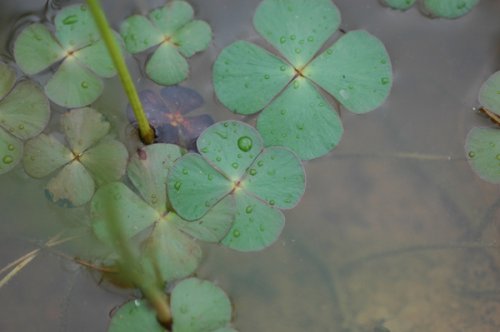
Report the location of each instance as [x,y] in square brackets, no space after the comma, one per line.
[395,232]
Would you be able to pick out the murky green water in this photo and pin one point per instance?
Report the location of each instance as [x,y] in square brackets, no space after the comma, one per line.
[394,230]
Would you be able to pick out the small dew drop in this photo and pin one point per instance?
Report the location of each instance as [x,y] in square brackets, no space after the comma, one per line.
[84,85]
[21,127]
[210,177]
[261,228]
[236,233]
[207,204]
[283,112]
[282,39]
[185,171]
[205,149]
[329,51]
[249,209]
[11,147]
[226,124]
[7,160]
[266,76]
[177,185]
[235,165]
[461,5]
[298,50]
[498,156]
[272,202]
[293,37]
[296,84]
[245,143]
[253,172]
[384,80]
[472,154]
[71,19]
[300,126]
[383,61]
[218,158]
[283,68]
[310,39]
[260,163]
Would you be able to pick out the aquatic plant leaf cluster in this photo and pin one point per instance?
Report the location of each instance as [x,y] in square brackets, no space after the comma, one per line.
[449,9]
[197,306]
[174,33]
[483,144]
[24,113]
[356,70]
[75,47]
[170,246]
[235,166]
[168,113]
[89,159]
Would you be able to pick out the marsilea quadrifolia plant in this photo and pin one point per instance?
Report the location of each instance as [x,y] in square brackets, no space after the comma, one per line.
[483,144]
[355,70]
[151,206]
[449,9]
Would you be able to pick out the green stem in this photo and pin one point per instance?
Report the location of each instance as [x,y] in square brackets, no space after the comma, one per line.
[145,130]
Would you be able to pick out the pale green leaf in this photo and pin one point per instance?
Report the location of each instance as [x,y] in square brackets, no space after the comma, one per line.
[257,225]
[7,79]
[148,170]
[166,66]
[192,38]
[356,70]
[247,77]
[194,186]
[171,252]
[44,154]
[277,176]
[11,151]
[97,58]
[231,147]
[134,316]
[25,112]
[73,85]
[106,161]
[483,153]
[302,120]
[83,128]
[171,17]
[449,8]
[214,225]
[199,306]
[399,4]
[72,186]
[297,28]
[117,212]
[489,95]
[75,27]
[35,49]
[139,34]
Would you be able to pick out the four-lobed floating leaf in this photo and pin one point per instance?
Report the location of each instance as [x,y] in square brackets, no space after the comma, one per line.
[24,113]
[174,33]
[171,248]
[77,46]
[235,165]
[483,144]
[449,9]
[356,70]
[90,158]
[168,113]
[197,306]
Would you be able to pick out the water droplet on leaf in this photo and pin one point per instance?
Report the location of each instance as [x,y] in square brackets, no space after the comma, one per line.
[177,185]
[245,143]
[71,19]
[249,209]
[253,172]
[7,160]
[236,233]
[472,154]
[282,39]
[235,165]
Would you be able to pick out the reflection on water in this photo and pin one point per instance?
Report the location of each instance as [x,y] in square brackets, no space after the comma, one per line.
[395,232]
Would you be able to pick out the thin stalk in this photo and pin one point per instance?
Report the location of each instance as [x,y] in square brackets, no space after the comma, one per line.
[145,130]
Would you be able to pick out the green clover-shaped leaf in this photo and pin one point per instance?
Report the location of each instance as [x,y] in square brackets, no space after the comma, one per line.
[199,306]
[77,45]
[178,36]
[171,247]
[91,158]
[24,113]
[438,8]
[234,164]
[356,70]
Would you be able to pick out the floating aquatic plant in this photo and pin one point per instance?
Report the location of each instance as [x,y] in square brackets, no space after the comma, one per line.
[171,247]
[483,144]
[197,306]
[356,70]
[24,113]
[168,114]
[90,158]
[234,166]
[438,8]
[176,34]
[77,45]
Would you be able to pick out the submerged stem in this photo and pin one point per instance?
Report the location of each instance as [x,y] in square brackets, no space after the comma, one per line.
[145,130]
